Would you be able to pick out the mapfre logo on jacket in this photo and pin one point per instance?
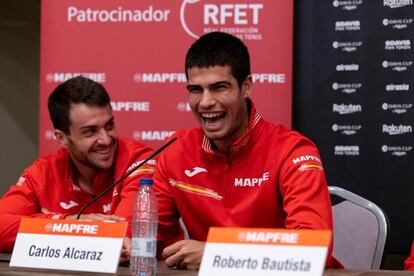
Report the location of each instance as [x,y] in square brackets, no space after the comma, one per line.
[308,162]
[251,181]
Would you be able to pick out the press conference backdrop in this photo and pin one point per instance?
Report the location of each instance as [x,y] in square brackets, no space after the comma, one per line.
[136,49]
[353,95]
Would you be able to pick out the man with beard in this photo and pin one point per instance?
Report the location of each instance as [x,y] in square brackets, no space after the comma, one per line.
[90,159]
[236,169]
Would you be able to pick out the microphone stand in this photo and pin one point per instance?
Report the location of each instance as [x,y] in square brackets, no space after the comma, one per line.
[124,176]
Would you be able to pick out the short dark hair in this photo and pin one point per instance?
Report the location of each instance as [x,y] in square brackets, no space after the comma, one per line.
[74,91]
[220,49]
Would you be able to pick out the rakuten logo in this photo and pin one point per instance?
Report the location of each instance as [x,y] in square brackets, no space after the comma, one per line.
[396,130]
[346,88]
[348,25]
[398,44]
[64,76]
[396,108]
[160,78]
[397,87]
[343,109]
[347,46]
[397,3]
[131,106]
[398,66]
[396,150]
[351,150]
[119,15]
[347,67]
[398,24]
[347,5]
[152,135]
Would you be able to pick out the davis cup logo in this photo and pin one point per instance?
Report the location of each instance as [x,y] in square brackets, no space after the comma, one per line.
[396,150]
[241,19]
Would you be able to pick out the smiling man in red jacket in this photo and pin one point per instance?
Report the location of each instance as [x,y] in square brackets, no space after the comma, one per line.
[236,169]
[91,158]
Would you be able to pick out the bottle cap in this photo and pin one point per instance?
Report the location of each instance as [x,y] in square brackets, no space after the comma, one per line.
[146,181]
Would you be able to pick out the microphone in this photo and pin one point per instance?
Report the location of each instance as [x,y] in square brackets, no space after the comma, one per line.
[124,176]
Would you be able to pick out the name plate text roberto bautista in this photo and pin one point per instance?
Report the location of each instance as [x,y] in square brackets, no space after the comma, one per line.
[264,251]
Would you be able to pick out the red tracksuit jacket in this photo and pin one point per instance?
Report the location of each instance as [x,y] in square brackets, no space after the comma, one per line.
[45,190]
[273,178]
[409,263]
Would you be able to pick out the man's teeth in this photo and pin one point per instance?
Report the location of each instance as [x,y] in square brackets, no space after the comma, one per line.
[211,115]
[103,151]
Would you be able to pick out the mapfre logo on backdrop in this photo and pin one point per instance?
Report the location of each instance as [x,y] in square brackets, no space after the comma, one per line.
[239,18]
[183,107]
[159,77]
[152,135]
[131,106]
[58,77]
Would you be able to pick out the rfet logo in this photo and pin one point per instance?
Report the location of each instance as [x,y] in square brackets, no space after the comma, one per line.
[240,18]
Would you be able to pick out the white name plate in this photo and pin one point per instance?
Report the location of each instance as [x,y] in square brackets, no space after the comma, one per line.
[68,245]
[264,251]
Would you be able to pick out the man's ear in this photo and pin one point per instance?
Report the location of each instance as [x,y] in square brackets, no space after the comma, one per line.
[61,137]
[247,86]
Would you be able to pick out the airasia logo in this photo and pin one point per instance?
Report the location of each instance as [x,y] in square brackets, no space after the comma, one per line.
[216,15]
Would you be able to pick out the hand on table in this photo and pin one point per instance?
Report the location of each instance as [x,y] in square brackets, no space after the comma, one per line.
[184,254]
[125,251]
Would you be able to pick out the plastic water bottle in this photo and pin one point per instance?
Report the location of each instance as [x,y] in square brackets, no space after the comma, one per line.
[143,261]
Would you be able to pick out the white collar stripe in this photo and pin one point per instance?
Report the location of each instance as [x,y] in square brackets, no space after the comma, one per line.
[256,118]
[207,144]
